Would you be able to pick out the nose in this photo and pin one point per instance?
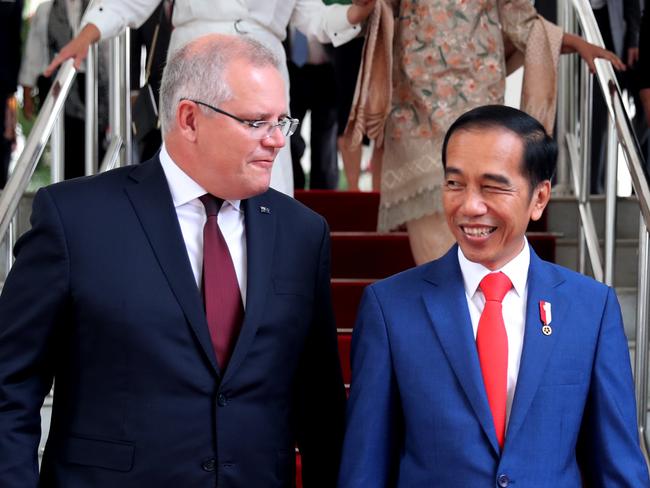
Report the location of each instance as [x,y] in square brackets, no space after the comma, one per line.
[473,204]
[275,138]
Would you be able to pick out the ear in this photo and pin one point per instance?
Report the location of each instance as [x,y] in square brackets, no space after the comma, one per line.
[541,196]
[187,120]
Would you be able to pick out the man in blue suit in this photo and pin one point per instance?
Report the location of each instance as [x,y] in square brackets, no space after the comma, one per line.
[534,390]
[105,297]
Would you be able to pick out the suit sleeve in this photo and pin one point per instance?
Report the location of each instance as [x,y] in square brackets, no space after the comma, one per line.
[372,437]
[608,450]
[321,394]
[31,305]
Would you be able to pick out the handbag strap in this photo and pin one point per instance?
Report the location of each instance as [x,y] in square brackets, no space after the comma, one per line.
[154,41]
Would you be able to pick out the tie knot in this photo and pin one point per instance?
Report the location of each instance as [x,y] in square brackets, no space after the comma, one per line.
[495,286]
[211,203]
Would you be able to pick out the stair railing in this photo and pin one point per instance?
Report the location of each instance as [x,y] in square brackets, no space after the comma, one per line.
[49,126]
[574,131]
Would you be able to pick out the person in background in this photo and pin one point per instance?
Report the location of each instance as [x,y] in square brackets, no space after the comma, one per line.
[11,12]
[618,22]
[53,25]
[313,88]
[489,366]
[263,20]
[449,57]
[181,307]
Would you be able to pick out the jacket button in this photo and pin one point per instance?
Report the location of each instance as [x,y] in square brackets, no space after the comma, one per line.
[222,400]
[209,465]
[503,481]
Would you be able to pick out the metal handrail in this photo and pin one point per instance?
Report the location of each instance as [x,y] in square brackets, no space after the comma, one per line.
[621,131]
[35,144]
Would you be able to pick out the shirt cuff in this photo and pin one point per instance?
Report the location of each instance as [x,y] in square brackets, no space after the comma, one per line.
[108,23]
[337,26]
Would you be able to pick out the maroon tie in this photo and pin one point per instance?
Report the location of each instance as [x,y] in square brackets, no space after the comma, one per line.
[223,304]
[492,344]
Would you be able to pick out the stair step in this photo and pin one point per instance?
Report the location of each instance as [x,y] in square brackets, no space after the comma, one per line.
[356,211]
[346,294]
[370,255]
[345,211]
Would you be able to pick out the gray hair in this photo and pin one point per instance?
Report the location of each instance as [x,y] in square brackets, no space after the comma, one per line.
[196,71]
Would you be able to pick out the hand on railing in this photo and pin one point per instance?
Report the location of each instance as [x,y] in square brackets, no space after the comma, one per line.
[589,52]
[76,49]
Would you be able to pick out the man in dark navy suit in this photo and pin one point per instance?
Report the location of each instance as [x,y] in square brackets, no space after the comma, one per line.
[10,48]
[105,297]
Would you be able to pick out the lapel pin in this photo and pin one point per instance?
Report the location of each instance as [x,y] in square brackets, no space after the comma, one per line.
[546,317]
[265,210]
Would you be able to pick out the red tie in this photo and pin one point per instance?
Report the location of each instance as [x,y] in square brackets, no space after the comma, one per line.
[221,296]
[492,344]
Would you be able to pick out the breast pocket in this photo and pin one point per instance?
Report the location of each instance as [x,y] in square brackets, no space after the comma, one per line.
[293,287]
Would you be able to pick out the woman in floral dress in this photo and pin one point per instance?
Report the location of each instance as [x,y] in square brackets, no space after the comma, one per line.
[449,57]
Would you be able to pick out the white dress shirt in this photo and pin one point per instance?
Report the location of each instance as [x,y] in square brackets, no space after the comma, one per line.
[191,217]
[264,20]
[514,307]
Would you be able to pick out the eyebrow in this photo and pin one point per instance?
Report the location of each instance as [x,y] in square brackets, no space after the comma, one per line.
[265,116]
[496,178]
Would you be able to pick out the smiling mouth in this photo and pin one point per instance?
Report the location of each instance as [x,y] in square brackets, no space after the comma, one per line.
[477,231]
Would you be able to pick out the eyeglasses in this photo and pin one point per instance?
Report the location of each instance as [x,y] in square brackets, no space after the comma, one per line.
[259,129]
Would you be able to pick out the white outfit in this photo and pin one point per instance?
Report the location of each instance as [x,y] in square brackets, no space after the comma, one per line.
[264,20]
[36,56]
[513,307]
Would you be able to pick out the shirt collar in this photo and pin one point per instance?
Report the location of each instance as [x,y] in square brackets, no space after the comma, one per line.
[516,269]
[183,188]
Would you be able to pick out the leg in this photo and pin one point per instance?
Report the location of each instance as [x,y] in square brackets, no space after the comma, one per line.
[351,163]
[645,101]
[375,164]
[324,173]
[298,108]
[429,237]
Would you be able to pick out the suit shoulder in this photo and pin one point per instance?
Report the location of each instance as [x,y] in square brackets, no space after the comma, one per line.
[289,206]
[404,281]
[90,184]
[573,278]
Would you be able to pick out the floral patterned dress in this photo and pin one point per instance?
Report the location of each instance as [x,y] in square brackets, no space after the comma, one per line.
[448,58]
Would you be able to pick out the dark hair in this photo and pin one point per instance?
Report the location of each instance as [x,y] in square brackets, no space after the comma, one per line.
[540,150]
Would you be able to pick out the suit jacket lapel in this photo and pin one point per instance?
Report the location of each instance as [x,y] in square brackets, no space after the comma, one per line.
[543,282]
[260,242]
[447,308]
[152,203]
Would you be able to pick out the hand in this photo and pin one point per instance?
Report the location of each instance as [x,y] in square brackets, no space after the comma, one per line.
[360,10]
[76,49]
[590,52]
[632,56]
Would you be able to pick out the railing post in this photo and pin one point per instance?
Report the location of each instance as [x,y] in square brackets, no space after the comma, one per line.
[563,185]
[57,146]
[641,350]
[120,94]
[610,202]
[585,103]
[91,123]
[126,137]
